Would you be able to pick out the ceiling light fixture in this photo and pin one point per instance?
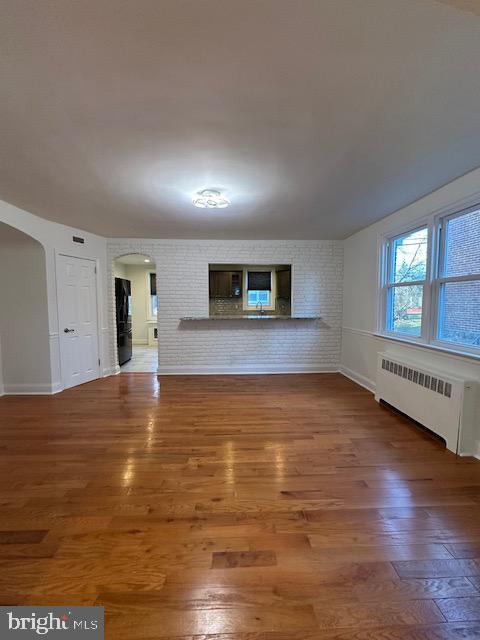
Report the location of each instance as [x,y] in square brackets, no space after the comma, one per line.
[146,260]
[210,199]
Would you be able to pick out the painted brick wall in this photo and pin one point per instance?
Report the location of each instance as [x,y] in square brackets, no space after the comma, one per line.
[240,346]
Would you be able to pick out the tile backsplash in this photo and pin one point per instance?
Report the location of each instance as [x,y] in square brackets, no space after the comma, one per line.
[234,306]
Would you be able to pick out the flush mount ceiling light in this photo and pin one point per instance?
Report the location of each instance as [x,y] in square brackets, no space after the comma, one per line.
[210,199]
[146,260]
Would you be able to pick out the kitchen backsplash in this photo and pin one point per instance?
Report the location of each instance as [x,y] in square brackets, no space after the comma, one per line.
[233,306]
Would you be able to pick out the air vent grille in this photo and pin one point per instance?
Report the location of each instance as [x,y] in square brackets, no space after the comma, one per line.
[432,383]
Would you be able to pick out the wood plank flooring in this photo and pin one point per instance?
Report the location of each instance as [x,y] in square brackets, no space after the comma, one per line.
[238,508]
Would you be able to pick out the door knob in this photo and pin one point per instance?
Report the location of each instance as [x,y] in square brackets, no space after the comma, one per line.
[68,330]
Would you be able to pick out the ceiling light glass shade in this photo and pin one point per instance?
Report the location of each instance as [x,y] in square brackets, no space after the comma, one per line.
[210,199]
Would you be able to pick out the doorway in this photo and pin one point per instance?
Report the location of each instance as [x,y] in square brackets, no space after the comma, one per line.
[25,362]
[136,313]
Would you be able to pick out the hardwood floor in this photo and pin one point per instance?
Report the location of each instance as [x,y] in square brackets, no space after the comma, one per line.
[238,508]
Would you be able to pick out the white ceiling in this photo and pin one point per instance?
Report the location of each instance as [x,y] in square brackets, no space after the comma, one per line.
[316,116]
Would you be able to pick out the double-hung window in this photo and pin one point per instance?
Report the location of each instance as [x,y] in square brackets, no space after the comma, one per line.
[405,283]
[259,286]
[431,283]
[458,282]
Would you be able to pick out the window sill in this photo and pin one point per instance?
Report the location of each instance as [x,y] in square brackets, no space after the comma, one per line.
[431,347]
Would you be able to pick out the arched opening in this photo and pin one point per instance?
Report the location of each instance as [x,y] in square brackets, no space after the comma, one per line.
[135,286]
[25,365]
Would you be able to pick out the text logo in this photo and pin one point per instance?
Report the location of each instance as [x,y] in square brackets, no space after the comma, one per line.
[24,623]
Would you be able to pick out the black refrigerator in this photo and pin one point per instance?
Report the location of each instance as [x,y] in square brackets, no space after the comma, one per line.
[123,302]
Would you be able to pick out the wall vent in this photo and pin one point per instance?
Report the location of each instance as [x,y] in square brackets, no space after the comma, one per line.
[430,382]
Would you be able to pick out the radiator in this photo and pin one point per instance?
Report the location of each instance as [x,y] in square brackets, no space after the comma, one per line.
[442,403]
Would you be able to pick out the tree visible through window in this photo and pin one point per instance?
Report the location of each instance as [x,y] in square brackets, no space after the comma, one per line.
[449,281]
[407,274]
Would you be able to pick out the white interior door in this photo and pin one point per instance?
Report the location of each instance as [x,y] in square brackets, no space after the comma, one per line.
[77,315]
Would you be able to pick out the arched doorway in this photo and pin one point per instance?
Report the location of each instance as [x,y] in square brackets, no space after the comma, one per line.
[25,364]
[136,313]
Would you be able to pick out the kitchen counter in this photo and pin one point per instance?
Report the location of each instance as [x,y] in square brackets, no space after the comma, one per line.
[249,316]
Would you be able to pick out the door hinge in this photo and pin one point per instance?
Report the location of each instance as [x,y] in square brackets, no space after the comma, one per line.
[95,268]
[99,362]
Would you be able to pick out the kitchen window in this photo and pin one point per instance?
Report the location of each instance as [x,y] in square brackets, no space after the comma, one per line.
[430,283]
[259,285]
[152,284]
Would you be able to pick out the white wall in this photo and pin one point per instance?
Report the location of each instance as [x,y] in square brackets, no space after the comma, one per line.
[223,346]
[58,238]
[182,285]
[138,276]
[23,313]
[359,344]
[120,270]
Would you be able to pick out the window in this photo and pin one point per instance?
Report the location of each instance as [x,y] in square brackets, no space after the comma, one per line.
[259,287]
[255,297]
[152,283]
[431,283]
[407,270]
[459,280]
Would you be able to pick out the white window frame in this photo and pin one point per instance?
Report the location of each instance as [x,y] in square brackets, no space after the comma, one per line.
[273,290]
[388,286]
[435,224]
[439,280]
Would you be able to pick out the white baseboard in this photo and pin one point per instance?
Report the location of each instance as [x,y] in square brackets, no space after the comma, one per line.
[34,389]
[364,382]
[110,371]
[469,455]
[477,451]
[242,370]
[57,387]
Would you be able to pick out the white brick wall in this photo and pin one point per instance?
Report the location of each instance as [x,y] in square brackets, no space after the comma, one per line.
[240,346]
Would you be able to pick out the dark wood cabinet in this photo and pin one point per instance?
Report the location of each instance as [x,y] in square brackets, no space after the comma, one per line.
[284,284]
[225,284]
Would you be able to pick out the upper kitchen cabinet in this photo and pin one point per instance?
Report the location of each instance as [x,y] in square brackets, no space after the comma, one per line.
[284,283]
[225,284]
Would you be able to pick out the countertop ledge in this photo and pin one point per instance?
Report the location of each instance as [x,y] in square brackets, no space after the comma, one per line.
[249,316]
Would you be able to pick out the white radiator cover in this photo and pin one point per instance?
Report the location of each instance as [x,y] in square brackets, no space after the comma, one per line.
[443,403]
